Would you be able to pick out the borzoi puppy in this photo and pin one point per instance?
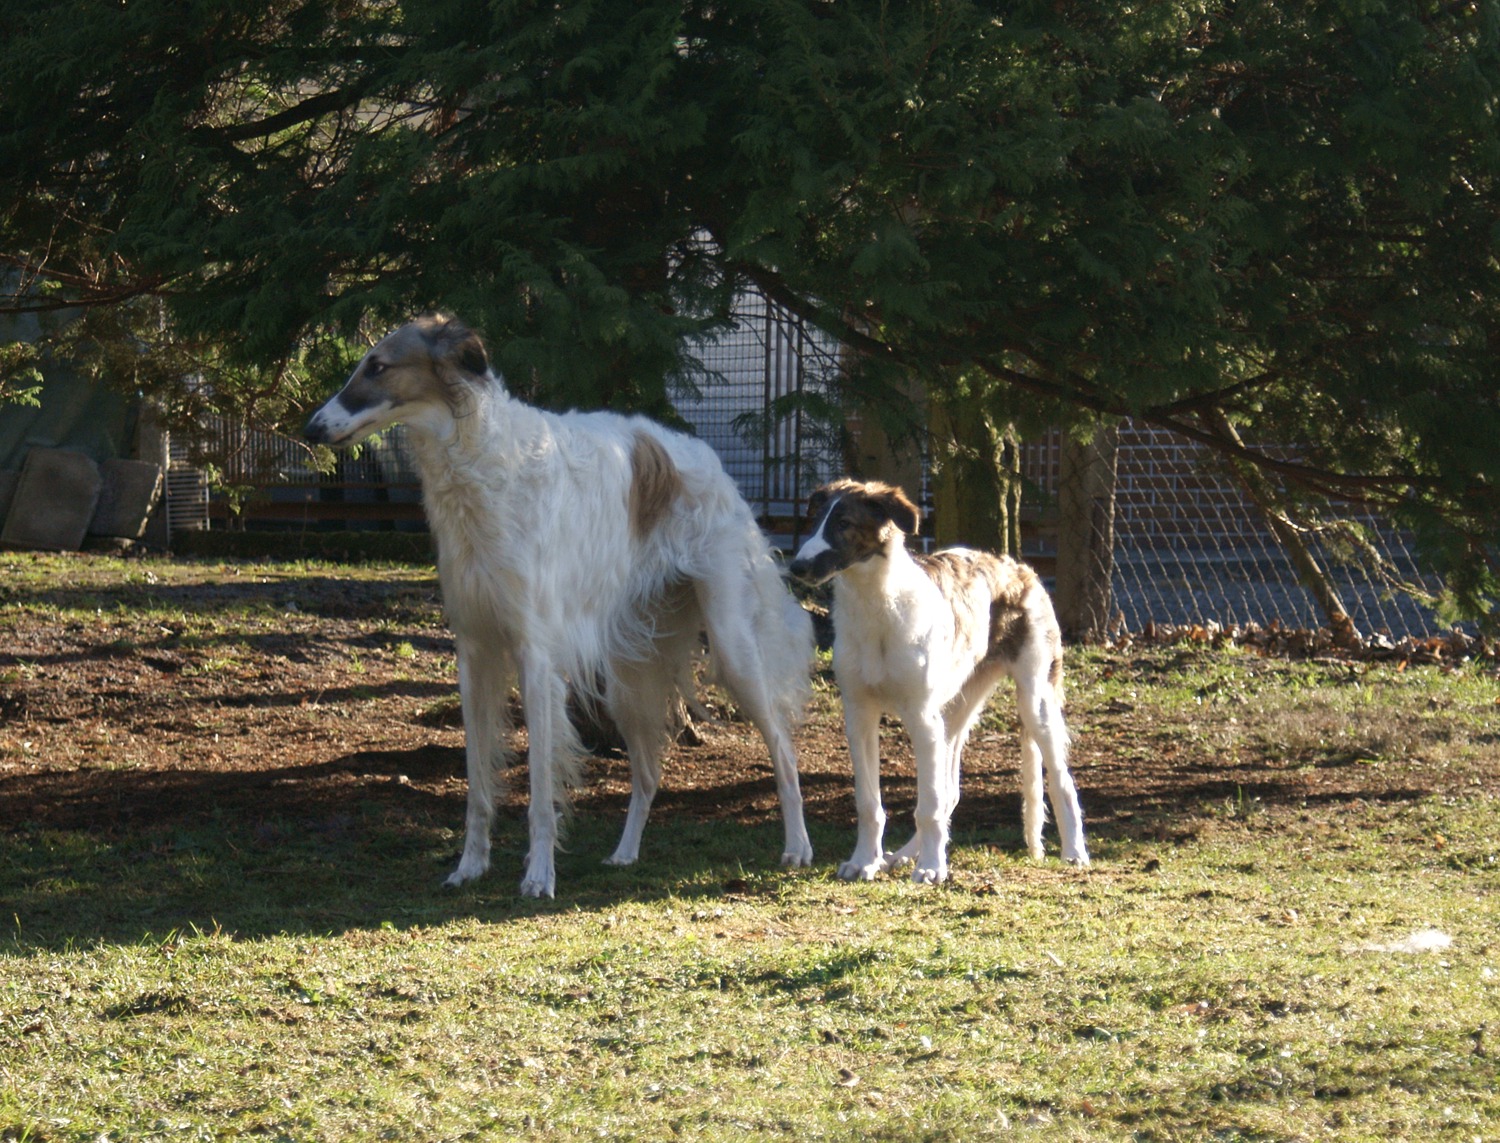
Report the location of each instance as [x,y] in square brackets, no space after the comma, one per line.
[929,638]
[582,548]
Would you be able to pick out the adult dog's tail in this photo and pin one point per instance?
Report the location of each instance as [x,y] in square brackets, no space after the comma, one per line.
[787,643]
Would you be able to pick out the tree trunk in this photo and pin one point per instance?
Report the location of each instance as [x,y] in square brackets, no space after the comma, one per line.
[1086,535]
[976,488]
[1289,534]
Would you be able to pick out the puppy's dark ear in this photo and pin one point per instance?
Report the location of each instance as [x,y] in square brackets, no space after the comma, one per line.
[902,512]
[816,502]
[461,347]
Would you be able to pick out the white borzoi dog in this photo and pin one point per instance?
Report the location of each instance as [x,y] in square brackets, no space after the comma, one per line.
[929,638]
[582,548]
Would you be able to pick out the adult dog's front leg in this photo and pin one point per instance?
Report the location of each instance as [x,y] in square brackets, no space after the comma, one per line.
[481,689]
[862,724]
[545,697]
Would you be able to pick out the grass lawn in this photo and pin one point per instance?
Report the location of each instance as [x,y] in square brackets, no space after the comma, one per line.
[278,961]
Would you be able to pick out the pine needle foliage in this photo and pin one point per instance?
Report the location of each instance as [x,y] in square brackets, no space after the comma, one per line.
[1281,217]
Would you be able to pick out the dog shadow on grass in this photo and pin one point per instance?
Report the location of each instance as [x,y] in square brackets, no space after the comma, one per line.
[365,840]
[361,841]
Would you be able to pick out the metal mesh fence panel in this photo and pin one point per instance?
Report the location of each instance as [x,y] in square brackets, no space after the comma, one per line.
[1190,547]
[750,406]
[264,474]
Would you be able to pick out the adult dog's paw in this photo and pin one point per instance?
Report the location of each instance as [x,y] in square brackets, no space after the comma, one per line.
[469,869]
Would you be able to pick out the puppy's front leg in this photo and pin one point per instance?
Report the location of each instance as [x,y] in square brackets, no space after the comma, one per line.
[862,725]
[929,745]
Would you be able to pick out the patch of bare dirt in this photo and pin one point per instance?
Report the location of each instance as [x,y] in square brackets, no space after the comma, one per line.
[266,696]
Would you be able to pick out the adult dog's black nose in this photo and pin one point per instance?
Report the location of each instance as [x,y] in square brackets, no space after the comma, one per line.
[315,432]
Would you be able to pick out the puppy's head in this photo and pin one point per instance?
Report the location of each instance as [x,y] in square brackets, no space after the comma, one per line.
[852,521]
[423,367]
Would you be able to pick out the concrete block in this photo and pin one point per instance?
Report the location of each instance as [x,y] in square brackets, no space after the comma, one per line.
[129,491]
[54,501]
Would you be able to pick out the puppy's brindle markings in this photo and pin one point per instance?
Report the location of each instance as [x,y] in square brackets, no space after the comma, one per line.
[929,637]
[576,547]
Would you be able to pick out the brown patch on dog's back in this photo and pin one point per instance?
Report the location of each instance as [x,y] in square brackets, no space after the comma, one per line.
[654,484]
[954,572]
[1010,626]
[957,571]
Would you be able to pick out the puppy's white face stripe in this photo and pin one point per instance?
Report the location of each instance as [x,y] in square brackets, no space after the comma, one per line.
[817,543]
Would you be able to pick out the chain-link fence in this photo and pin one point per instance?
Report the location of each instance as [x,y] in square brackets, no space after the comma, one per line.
[1190,545]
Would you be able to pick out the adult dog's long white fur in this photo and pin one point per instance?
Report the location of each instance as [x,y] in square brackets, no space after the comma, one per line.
[929,638]
[574,548]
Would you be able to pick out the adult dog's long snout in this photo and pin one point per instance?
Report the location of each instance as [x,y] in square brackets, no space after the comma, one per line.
[316,429]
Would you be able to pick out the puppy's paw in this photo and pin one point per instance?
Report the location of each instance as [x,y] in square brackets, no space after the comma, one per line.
[469,869]
[925,874]
[861,870]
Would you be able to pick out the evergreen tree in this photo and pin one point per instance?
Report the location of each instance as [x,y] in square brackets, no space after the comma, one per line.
[1246,222]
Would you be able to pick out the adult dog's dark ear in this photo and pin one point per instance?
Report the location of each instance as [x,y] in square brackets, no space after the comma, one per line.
[460,346]
[902,512]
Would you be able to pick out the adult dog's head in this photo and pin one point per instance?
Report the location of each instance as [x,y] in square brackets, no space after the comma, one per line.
[852,522]
[417,372]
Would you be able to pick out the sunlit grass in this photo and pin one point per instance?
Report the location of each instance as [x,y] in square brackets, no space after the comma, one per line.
[1217,974]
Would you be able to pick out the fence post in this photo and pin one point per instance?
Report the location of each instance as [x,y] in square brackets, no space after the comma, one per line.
[1086,534]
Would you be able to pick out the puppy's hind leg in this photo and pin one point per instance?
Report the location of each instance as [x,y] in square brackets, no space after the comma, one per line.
[1033,794]
[1042,722]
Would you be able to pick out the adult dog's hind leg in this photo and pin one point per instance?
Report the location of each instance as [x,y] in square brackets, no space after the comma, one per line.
[551,750]
[742,670]
[482,687]
[638,701]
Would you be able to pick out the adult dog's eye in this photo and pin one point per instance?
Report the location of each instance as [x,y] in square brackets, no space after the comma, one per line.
[374,368]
